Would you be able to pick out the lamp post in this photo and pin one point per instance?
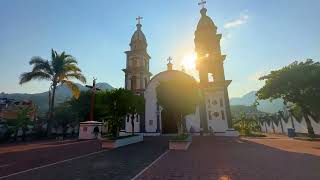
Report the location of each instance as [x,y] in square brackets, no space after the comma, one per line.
[158,120]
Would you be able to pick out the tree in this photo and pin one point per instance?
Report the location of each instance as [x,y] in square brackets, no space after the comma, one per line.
[180,97]
[113,106]
[280,116]
[246,124]
[59,70]
[136,107]
[81,105]
[297,83]
[64,118]
[21,122]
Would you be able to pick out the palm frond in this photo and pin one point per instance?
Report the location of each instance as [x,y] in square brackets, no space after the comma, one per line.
[73,87]
[70,60]
[37,60]
[28,76]
[71,67]
[44,67]
[54,54]
[77,76]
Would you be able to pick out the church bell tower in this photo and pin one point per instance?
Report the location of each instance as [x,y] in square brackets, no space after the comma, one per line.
[137,74]
[215,114]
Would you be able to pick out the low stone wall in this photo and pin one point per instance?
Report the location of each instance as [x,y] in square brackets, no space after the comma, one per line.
[121,142]
[180,144]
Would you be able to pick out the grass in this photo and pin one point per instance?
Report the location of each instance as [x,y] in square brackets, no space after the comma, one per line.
[180,137]
[307,138]
[116,138]
[252,134]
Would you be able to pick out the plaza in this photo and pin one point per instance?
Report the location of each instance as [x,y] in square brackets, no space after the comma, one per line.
[272,157]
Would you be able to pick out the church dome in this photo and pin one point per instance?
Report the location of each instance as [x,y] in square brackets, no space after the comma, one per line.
[205,23]
[138,39]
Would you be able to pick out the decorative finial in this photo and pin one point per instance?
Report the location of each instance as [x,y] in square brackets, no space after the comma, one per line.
[94,81]
[169,59]
[139,22]
[202,3]
[139,19]
[169,65]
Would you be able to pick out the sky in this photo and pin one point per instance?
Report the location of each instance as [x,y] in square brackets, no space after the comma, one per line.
[257,36]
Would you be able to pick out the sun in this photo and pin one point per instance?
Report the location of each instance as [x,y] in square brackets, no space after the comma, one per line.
[189,61]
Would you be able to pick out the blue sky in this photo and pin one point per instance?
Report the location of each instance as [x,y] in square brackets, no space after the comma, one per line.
[258,36]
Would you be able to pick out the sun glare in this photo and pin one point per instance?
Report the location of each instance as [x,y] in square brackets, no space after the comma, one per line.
[189,61]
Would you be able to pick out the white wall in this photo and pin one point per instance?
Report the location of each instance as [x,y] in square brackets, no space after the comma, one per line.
[136,123]
[300,127]
[216,123]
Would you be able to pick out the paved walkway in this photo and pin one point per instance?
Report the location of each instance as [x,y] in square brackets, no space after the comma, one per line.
[16,158]
[122,163]
[231,158]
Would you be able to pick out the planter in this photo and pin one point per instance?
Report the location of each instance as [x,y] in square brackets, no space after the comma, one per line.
[180,144]
[111,144]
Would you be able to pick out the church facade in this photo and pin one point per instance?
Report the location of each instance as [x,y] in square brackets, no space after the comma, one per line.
[213,112]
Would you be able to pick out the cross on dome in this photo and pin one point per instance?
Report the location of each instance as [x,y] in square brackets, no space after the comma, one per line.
[139,19]
[169,59]
[169,65]
[202,3]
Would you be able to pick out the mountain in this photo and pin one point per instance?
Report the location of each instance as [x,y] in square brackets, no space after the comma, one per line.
[63,93]
[237,110]
[264,105]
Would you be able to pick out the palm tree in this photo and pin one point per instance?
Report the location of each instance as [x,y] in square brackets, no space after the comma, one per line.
[280,116]
[60,70]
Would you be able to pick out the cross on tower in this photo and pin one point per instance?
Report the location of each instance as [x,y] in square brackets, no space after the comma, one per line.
[138,19]
[202,3]
[169,59]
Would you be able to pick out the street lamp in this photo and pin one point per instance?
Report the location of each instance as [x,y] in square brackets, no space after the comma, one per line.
[158,120]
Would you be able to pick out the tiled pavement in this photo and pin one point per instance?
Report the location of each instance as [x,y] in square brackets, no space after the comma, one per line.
[207,158]
[122,163]
[19,157]
[231,158]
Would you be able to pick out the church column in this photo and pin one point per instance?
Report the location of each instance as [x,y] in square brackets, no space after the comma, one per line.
[126,81]
[158,118]
[203,112]
[228,109]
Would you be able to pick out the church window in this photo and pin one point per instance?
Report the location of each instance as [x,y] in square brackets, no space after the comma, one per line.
[135,63]
[222,115]
[128,118]
[133,83]
[221,102]
[209,114]
[150,122]
[215,102]
[216,114]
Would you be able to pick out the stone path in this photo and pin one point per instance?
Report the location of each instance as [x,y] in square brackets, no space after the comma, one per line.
[122,163]
[231,158]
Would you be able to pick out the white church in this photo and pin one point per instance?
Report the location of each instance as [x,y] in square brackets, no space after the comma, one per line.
[213,113]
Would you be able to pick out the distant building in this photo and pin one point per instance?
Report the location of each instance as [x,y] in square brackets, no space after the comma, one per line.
[10,108]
